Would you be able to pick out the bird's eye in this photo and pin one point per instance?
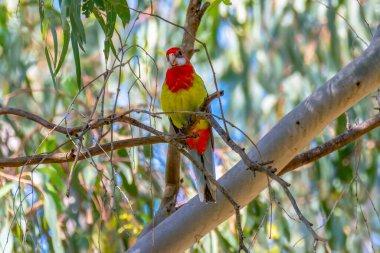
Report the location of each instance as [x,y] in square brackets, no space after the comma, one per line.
[179,53]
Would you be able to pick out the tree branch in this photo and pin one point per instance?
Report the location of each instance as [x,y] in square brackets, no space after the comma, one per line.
[195,11]
[93,151]
[70,156]
[266,170]
[188,224]
[347,137]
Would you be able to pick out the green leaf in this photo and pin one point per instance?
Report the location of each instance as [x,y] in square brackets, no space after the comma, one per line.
[217,2]
[74,44]
[87,7]
[63,6]
[51,216]
[76,22]
[41,9]
[122,9]
[110,28]
[100,19]
[65,47]
[47,55]
[227,2]
[100,4]
[103,26]
[5,189]
[55,41]
[6,239]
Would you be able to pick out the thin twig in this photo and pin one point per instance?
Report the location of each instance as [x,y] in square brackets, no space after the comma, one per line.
[268,171]
[347,137]
[234,204]
[94,151]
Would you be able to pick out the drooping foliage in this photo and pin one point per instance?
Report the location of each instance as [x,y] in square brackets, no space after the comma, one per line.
[57,58]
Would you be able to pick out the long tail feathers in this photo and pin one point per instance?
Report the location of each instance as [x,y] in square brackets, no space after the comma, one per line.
[206,189]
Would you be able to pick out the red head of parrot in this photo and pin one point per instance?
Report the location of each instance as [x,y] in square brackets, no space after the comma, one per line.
[180,75]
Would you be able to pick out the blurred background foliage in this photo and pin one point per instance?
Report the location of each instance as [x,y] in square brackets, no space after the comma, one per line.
[268,56]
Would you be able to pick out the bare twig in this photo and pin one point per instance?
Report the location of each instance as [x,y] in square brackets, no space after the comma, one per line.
[195,11]
[234,204]
[268,171]
[345,20]
[347,137]
[94,151]
[341,140]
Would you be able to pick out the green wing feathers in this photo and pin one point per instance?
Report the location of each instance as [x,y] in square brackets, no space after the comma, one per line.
[183,100]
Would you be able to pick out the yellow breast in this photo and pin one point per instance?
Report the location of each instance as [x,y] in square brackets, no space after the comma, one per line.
[183,100]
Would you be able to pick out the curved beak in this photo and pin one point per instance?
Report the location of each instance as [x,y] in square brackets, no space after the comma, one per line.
[172,59]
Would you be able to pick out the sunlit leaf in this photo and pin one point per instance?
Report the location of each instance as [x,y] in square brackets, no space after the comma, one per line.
[51,216]
[78,71]
[110,27]
[76,23]
[102,24]
[65,47]
[55,41]
[6,238]
[47,55]
[122,9]
[215,3]
[6,188]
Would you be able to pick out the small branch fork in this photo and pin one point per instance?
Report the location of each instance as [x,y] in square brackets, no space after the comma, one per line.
[347,137]
[307,157]
[93,151]
[269,171]
[304,158]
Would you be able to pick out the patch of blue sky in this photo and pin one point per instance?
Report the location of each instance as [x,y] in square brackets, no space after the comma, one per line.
[43,244]
[56,5]
[156,205]
[181,197]
[313,144]
[147,208]
[119,179]
[30,195]
[133,3]
[376,240]
[166,8]
[254,62]
[159,157]
[122,100]
[223,35]
[226,99]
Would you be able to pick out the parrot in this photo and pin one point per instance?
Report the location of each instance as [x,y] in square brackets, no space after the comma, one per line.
[184,90]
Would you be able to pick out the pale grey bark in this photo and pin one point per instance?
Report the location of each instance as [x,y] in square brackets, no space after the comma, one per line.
[193,220]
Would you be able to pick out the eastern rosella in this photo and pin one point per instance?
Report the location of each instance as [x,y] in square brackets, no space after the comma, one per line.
[184,90]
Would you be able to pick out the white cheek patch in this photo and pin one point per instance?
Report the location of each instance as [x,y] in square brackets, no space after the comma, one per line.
[180,61]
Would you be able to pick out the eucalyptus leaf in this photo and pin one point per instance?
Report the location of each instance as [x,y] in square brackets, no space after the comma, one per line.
[122,9]
[78,71]
[51,216]
[65,47]
[47,55]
